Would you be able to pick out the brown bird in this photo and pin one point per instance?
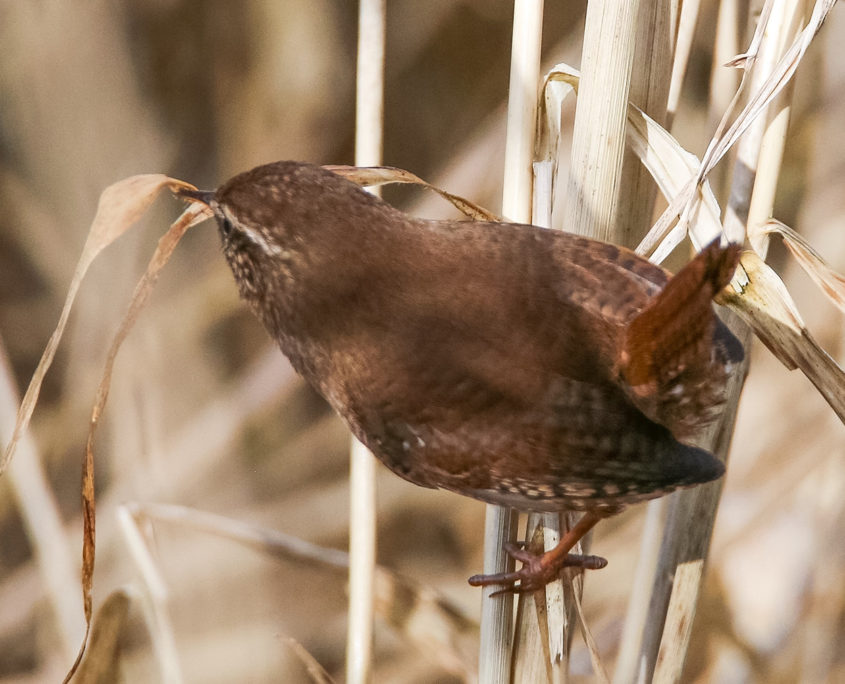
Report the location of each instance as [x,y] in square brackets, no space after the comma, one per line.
[520,366]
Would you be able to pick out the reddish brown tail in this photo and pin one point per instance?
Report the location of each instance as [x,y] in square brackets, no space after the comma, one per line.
[669,346]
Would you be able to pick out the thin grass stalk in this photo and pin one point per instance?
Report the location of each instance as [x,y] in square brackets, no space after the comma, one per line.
[627,661]
[683,31]
[497,614]
[788,19]
[732,17]
[155,598]
[369,117]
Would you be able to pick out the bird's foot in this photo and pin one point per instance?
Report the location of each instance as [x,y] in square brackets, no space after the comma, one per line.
[537,569]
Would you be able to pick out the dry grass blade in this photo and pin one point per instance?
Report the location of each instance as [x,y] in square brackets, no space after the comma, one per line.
[315,671]
[829,281]
[369,176]
[683,203]
[160,258]
[759,100]
[595,658]
[120,206]
[762,300]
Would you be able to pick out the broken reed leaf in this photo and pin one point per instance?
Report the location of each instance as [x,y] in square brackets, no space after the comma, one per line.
[829,281]
[764,302]
[166,244]
[101,663]
[382,175]
[761,299]
[759,100]
[120,206]
[682,204]
[672,167]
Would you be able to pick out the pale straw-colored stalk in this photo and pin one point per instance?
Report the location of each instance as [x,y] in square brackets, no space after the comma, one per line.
[362,513]
[724,81]
[664,43]
[598,143]
[500,525]
[540,624]
[598,148]
[154,599]
[649,88]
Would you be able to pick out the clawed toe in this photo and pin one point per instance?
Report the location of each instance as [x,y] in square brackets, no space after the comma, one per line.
[537,570]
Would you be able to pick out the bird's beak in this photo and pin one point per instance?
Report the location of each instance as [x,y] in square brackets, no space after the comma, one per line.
[204,196]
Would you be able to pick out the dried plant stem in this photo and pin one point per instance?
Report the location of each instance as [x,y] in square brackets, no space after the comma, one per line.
[684,31]
[539,638]
[637,610]
[40,513]
[724,81]
[666,34]
[649,89]
[599,133]
[787,20]
[497,614]
[686,541]
[362,513]
[155,597]
[593,190]
[692,513]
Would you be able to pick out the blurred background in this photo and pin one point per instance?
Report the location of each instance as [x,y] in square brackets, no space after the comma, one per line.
[205,412]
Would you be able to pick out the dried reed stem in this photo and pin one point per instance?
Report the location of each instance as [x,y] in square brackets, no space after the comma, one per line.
[39,511]
[362,513]
[497,614]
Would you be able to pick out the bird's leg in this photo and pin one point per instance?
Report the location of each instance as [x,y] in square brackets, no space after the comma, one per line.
[539,569]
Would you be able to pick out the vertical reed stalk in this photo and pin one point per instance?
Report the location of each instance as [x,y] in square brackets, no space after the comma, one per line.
[362,513]
[497,613]
[692,513]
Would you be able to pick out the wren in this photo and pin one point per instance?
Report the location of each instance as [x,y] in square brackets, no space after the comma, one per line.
[513,364]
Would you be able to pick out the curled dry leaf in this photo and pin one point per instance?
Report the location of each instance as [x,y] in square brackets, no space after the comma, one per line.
[829,281]
[382,175]
[120,206]
[166,244]
[759,296]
